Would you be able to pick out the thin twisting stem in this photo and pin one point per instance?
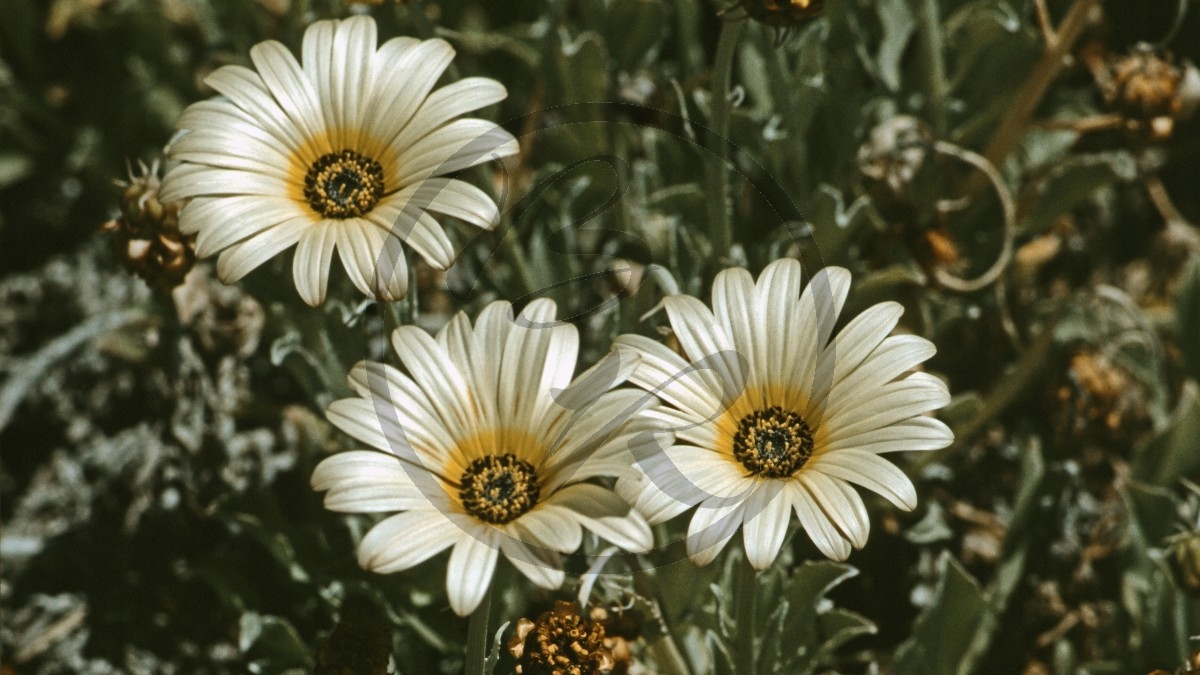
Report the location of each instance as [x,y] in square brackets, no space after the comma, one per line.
[1008,208]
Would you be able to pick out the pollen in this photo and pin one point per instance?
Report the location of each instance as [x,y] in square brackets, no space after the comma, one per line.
[343,184]
[499,488]
[773,442]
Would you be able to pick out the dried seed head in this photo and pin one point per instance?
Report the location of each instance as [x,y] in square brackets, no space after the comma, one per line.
[146,238]
[560,642]
[1148,89]
[1185,558]
[893,155]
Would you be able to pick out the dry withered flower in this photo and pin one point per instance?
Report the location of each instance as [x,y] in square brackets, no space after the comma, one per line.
[783,13]
[560,642]
[146,236]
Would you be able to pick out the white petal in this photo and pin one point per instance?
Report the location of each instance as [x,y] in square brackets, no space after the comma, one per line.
[550,526]
[894,357]
[469,573]
[606,514]
[407,433]
[310,266]
[373,260]
[453,198]
[219,222]
[403,81]
[916,394]
[667,375]
[241,258]
[822,532]
[453,147]
[221,119]
[713,525]
[706,345]
[841,504]
[350,76]
[539,355]
[452,100]
[225,151]
[285,81]
[820,304]
[870,471]
[655,505]
[418,229]
[194,180]
[768,511]
[248,91]
[780,320]
[853,344]
[916,434]
[407,539]
[541,566]
[364,481]
[432,370]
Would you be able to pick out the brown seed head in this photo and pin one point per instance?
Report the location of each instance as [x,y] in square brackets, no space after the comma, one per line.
[146,238]
[560,642]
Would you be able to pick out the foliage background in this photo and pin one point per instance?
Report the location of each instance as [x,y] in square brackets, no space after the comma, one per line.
[156,449]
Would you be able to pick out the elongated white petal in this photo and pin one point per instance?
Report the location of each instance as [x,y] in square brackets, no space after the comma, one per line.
[241,258]
[541,566]
[870,471]
[365,481]
[841,504]
[469,573]
[768,512]
[466,95]
[822,532]
[310,266]
[713,524]
[407,539]
[607,515]
[453,198]
[454,147]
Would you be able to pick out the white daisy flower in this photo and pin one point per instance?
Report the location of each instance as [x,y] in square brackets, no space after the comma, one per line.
[487,445]
[342,152]
[771,416]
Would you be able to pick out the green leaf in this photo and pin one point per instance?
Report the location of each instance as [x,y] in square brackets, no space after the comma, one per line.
[1175,453]
[271,644]
[1187,317]
[945,631]
[899,25]
[1074,183]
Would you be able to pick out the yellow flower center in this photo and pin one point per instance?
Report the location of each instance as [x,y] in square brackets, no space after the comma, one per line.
[499,488]
[343,184]
[773,442]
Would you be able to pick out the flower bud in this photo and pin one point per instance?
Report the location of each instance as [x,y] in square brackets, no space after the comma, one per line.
[783,13]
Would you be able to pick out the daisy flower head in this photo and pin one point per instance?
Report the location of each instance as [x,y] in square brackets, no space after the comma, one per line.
[488,445]
[781,416]
[340,152]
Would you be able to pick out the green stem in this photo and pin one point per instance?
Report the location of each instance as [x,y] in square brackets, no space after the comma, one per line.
[477,636]
[745,598]
[663,648]
[931,44]
[717,174]
[512,250]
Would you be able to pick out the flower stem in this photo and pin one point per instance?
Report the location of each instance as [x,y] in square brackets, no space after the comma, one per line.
[745,598]
[717,174]
[931,43]
[477,636]
[663,648]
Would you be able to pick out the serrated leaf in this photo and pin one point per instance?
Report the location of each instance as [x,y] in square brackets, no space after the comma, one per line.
[945,631]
